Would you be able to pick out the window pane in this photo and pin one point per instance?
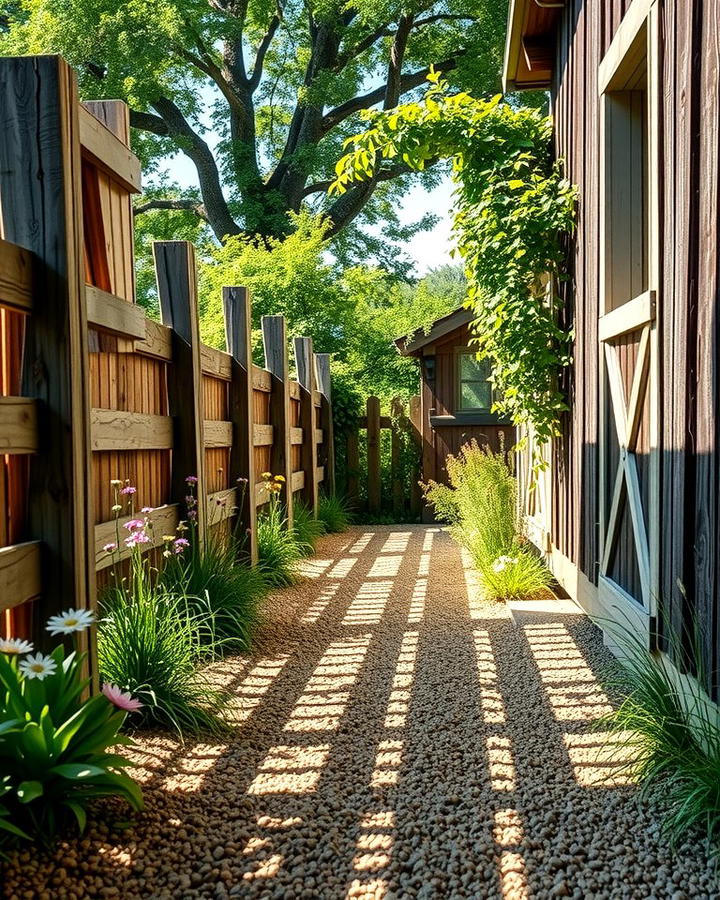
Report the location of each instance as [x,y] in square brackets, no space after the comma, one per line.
[472,369]
[475,395]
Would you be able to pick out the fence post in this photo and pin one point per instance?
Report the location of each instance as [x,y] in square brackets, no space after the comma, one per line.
[416,473]
[177,291]
[276,362]
[304,363]
[322,362]
[373,454]
[397,415]
[238,338]
[40,179]
[353,466]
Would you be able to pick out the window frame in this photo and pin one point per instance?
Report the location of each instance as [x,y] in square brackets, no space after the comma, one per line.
[459,381]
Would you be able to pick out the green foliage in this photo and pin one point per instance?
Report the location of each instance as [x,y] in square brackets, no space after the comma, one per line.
[278,550]
[480,505]
[334,513]
[670,729]
[307,529]
[54,749]
[513,207]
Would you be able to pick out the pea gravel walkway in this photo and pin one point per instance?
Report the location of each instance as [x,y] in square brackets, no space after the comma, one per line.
[397,737]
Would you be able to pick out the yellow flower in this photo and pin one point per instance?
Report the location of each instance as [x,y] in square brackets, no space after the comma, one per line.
[168,537]
[266,475]
[279,478]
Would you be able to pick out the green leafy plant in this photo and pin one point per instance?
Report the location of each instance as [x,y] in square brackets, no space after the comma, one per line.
[513,207]
[214,579]
[334,513]
[480,504]
[278,550]
[307,529]
[152,637]
[670,729]
[57,748]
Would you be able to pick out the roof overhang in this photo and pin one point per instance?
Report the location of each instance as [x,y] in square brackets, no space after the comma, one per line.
[413,344]
[530,44]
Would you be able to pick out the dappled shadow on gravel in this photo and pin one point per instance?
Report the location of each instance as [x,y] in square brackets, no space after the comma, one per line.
[394,737]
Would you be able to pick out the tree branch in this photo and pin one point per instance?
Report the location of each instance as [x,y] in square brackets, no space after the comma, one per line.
[145,121]
[178,203]
[263,49]
[383,175]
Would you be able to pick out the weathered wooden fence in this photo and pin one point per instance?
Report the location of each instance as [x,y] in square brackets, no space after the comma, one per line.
[405,496]
[92,390]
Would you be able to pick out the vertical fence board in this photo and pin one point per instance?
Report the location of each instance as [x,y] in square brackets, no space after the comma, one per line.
[304,362]
[276,362]
[373,454]
[322,362]
[416,438]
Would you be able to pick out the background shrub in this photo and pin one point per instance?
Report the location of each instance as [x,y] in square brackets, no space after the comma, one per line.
[334,513]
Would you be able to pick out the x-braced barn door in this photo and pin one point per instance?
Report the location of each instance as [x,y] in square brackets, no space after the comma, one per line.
[627,326]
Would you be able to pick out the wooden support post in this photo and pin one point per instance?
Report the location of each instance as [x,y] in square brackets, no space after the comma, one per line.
[276,362]
[353,467]
[397,414]
[416,441]
[238,335]
[177,291]
[305,364]
[322,362]
[373,454]
[40,178]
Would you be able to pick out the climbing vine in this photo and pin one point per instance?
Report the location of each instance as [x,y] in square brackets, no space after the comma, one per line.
[512,207]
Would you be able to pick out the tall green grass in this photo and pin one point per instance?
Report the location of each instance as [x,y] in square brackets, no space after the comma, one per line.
[334,513]
[673,731]
[480,504]
[307,529]
[278,551]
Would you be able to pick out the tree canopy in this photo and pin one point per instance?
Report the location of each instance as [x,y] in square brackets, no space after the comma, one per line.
[261,94]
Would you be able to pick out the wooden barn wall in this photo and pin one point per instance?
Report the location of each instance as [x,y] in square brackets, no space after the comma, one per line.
[689,135]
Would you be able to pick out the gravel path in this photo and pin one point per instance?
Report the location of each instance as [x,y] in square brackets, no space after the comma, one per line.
[397,737]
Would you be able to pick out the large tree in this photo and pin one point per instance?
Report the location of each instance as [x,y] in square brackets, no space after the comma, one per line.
[261,94]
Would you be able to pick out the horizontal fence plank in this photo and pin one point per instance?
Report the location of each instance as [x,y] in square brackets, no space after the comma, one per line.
[112,429]
[294,389]
[163,520]
[15,277]
[298,481]
[109,153]
[19,574]
[296,435]
[262,435]
[320,473]
[215,363]
[317,398]
[18,425]
[261,379]
[157,341]
[217,433]
[319,435]
[628,317]
[262,494]
[113,313]
[220,506]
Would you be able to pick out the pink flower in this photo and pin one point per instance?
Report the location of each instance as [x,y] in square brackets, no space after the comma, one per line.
[109,547]
[190,501]
[192,515]
[147,509]
[128,489]
[242,480]
[191,479]
[132,524]
[137,537]
[121,699]
[180,544]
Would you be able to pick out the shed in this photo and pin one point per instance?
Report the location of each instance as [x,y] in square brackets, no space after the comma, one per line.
[456,394]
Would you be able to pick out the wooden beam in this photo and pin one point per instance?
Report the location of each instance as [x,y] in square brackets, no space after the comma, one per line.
[220,506]
[373,454]
[177,290]
[114,429]
[41,210]
[217,433]
[298,481]
[539,53]
[109,153]
[16,278]
[238,339]
[164,520]
[327,451]
[276,362]
[305,365]
[294,389]
[628,317]
[114,313]
[627,42]
[261,379]
[215,363]
[262,435]
[19,574]
[18,425]
[157,342]
[296,436]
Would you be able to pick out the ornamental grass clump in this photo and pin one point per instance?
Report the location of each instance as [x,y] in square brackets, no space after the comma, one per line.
[670,729]
[214,578]
[278,550]
[480,504]
[334,513]
[307,529]
[153,638]
[58,749]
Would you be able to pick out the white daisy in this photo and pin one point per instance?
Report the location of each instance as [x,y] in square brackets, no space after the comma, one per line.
[70,621]
[37,666]
[15,646]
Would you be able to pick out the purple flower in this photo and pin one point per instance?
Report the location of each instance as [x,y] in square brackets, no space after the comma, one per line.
[147,509]
[190,501]
[109,547]
[191,479]
[132,524]
[192,515]
[180,544]
[137,537]
[128,489]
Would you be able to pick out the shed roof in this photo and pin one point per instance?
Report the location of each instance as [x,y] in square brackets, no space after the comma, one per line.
[530,44]
[412,344]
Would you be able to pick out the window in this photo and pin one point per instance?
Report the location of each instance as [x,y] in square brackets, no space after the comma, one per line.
[474,387]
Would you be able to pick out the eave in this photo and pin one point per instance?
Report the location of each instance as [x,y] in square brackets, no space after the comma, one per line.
[530,44]
[413,344]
